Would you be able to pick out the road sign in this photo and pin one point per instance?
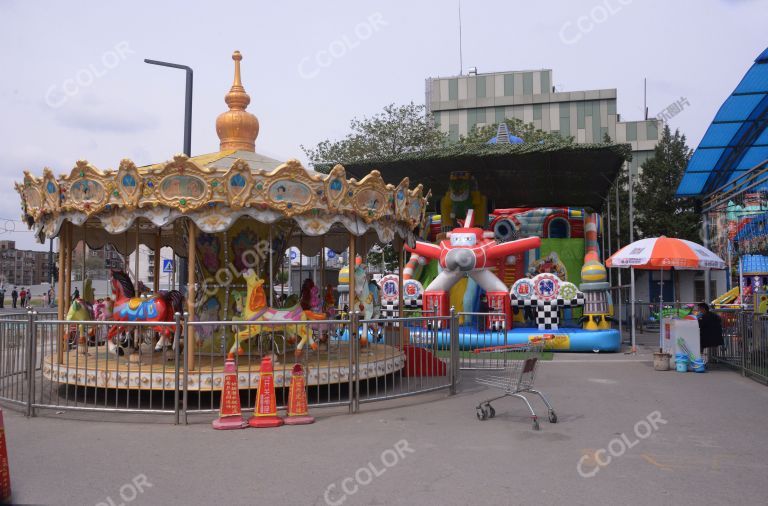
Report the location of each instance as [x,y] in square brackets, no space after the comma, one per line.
[167,265]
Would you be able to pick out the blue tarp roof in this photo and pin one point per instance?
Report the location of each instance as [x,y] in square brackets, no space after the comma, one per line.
[754,264]
[737,139]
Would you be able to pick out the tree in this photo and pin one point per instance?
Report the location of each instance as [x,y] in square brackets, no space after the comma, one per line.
[397,130]
[384,256]
[657,210]
[526,131]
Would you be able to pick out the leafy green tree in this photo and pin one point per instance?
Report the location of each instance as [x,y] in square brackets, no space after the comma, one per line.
[526,131]
[657,210]
[383,257]
[396,130]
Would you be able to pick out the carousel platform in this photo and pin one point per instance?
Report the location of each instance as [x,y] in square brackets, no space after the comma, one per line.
[154,371]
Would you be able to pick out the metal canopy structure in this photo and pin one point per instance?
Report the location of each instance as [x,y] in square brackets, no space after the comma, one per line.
[512,175]
[735,142]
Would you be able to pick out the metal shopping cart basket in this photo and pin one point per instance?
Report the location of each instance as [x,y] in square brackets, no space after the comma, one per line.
[517,378]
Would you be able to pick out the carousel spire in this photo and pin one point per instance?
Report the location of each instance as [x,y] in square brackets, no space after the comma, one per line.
[237,128]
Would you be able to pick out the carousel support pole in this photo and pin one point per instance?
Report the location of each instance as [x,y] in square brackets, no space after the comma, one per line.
[271,273]
[301,264]
[400,298]
[136,253]
[352,265]
[156,266]
[83,271]
[353,326]
[60,292]
[190,337]
[322,267]
[68,252]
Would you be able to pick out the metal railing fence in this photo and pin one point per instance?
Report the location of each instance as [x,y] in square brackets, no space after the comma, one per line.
[107,366]
[745,348]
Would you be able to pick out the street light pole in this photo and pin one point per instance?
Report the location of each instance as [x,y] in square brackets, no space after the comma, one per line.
[187,138]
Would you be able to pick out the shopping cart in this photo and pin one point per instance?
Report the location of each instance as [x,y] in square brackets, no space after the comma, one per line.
[517,378]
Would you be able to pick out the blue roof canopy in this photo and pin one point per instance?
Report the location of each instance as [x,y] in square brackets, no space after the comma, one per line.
[737,139]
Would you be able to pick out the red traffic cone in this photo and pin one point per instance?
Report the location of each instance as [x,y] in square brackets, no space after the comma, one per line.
[5,473]
[298,414]
[230,415]
[265,414]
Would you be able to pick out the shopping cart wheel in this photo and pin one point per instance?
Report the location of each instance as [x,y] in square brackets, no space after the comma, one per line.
[552,416]
[491,411]
[535,424]
[482,414]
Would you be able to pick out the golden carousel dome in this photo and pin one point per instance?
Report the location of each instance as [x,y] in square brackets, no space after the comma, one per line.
[237,129]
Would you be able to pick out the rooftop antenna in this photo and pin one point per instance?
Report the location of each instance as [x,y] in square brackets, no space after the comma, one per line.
[645,97]
[461,58]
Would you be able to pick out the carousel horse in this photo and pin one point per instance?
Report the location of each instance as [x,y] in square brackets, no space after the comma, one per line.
[368,300]
[154,308]
[256,309]
[102,310]
[79,310]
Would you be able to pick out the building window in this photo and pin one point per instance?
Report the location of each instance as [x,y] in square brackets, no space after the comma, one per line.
[559,229]
[480,87]
[631,132]
[536,111]
[528,83]
[612,106]
[698,289]
[453,133]
[509,85]
[565,119]
[471,118]
[545,86]
[652,130]
[453,89]
[436,118]
[580,121]
[500,117]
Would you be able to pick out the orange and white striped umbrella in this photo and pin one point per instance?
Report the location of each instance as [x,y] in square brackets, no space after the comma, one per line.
[665,253]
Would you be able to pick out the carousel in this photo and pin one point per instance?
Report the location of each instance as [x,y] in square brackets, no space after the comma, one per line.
[231,215]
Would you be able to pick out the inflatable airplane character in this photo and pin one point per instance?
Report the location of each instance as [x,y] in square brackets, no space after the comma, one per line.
[471,251]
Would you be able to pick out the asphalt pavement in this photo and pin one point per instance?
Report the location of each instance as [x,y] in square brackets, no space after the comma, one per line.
[626,434]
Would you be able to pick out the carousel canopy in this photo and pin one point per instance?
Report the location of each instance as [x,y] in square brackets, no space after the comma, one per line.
[214,191]
[512,175]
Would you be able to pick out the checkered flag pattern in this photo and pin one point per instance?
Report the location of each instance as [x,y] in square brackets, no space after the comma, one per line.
[390,310]
[547,312]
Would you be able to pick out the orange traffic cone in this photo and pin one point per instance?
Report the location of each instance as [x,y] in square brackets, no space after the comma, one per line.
[265,414]
[298,414]
[230,414]
[5,473]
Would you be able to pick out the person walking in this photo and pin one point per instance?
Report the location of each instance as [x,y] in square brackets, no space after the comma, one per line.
[23,297]
[14,297]
[710,328]
[2,297]
[76,294]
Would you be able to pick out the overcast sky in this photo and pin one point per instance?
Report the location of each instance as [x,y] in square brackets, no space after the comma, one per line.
[74,85]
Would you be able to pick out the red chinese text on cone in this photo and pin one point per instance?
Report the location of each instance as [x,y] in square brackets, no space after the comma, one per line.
[5,473]
[298,413]
[230,415]
[265,414]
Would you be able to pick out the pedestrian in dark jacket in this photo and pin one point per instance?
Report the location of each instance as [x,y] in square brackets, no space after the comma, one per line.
[14,296]
[710,328]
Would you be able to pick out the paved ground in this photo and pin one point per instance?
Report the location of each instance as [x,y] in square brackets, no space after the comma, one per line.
[709,449]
